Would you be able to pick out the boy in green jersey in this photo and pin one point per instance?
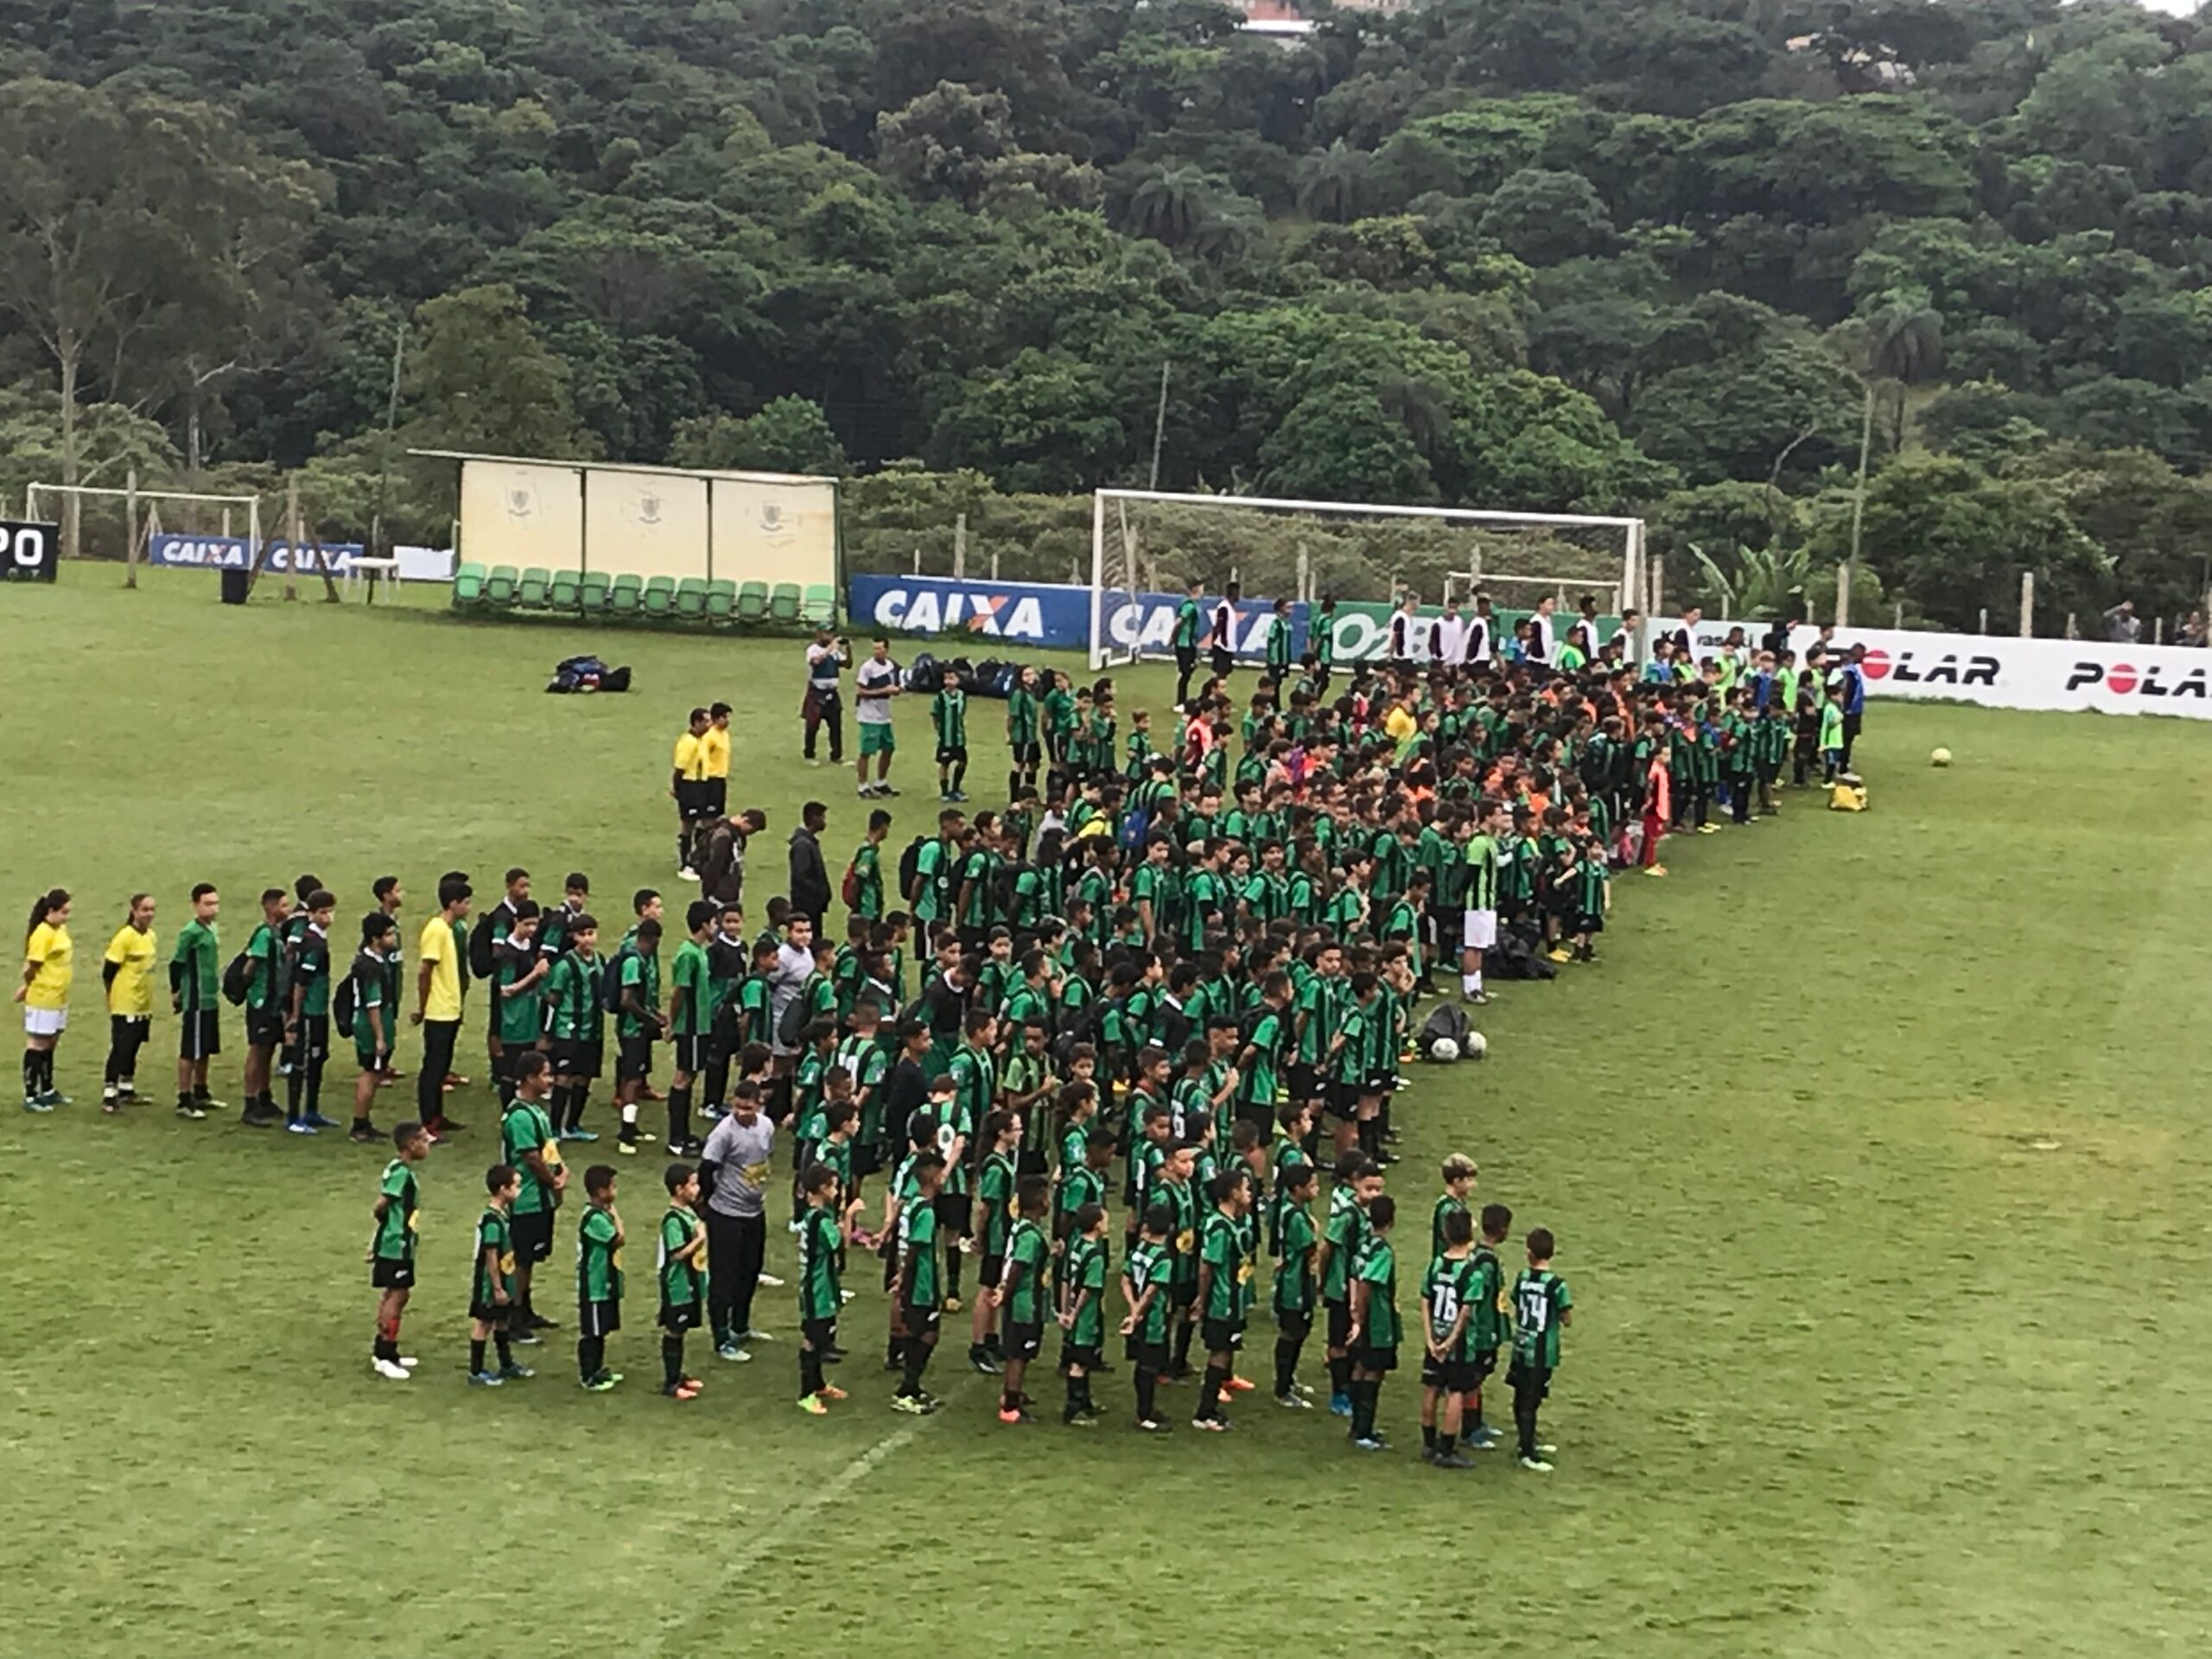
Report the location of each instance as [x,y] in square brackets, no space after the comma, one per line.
[1082,1306]
[1374,1338]
[1176,1191]
[598,1280]
[1022,1292]
[991,1225]
[810,1096]
[1832,733]
[683,1264]
[1225,1291]
[821,1245]
[392,1246]
[1542,1309]
[306,1025]
[920,1293]
[373,1032]
[1294,1246]
[517,978]
[639,1026]
[195,995]
[529,1144]
[949,715]
[1593,896]
[1147,1287]
[690,1021]
[1357,1185]
[1459,1184]
[1489,1326]
[1022,729]
[575,1023]
[492,1304]
[1447,1371]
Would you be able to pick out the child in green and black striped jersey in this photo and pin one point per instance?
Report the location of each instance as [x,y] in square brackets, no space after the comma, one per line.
[492,1292]
[1542,1310]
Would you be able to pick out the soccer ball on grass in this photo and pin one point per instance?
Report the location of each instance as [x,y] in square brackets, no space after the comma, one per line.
[1476,1047]
[1940,758]
[1444,1050]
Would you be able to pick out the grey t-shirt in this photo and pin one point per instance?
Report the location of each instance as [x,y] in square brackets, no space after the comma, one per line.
[793,966]
[741,1150]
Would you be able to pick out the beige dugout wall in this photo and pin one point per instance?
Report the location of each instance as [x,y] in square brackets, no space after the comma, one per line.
[775,529]
[645,524]
[521,513]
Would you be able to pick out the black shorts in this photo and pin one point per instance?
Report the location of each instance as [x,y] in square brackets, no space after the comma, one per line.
[919,1321]
[1185,1293]
[313,1046]
[391,1275]
[532,1234]
[1344,1098]
[494,1314]
[1025,754]
[691,800]
[576,1061]
[819,1336]
[1527,1379]
[1030,1160]
[991,1272]
[1484,1361]
[692,1052]
[1087,1356]
[1221,1336]
[598,1318]
[1023,1341]
[1589,921]
[1305,1084]
[950,753]
[1294,1323]
[1340,1324]
[1452,1376]
[1364,1358]
[633,1059]
[677,1318]
[264,1027]
[199,1034]
[868,1160]
[714,793]
[953,1213]
[1146,1356]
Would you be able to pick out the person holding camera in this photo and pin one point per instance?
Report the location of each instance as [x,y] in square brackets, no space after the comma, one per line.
[826,658]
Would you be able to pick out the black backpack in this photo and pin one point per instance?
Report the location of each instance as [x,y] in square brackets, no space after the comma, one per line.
[610,979]
[910,863]
[792,1021]
[342,1011]
[238,980]
[481,961]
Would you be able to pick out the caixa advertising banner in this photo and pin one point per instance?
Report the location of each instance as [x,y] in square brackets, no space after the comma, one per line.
[2010,673]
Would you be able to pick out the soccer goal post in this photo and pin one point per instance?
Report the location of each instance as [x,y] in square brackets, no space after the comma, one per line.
[1147,546]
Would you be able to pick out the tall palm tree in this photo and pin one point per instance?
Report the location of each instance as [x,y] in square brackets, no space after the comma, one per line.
[1332,182]
[1170,205]
[1905,345]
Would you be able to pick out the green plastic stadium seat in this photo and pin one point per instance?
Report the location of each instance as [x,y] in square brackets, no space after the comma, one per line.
[627,596]
[783,602]
[597,584]
[722,601]
[500,586]
[752,602]
[660,596]
[568,589]
[820,607]
[536,589]
[692,599]
[468,585]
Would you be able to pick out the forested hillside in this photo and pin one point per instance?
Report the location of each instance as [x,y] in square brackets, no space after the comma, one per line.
[1656,255]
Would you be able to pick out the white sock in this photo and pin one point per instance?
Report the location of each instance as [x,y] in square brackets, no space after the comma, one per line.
[1471,983]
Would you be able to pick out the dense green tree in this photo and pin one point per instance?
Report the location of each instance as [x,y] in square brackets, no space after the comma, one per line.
[789,435]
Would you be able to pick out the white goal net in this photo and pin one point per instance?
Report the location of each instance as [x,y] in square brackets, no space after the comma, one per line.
[1147,546]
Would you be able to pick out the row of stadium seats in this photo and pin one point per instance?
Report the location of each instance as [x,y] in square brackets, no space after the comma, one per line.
[502,588]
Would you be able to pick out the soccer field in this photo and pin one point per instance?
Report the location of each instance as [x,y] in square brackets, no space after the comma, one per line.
[1876,1146]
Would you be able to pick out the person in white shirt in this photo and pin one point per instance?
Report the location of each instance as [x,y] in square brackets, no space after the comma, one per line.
[1405,631]
[1582,632]
[1482,634]
[1628,638]
[1222,635]
[1447,638]
[1540,645]
[825,704]
[874,687]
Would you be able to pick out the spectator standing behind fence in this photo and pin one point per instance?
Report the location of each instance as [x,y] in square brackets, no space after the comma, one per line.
[825,702]
[2192,632]
[2122,626]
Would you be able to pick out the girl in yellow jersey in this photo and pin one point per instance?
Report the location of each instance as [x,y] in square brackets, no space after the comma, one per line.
[128,970]
[48,965]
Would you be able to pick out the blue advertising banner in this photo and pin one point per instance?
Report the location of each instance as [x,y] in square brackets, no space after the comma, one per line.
[1054,616]
[236,553]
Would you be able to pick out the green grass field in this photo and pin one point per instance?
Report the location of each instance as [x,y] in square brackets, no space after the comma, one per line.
[1859,1367]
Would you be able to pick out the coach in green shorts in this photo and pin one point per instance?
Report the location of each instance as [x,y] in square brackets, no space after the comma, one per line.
[874,687]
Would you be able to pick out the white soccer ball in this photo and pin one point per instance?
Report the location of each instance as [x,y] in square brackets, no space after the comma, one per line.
[1940,758]
[1444,1049]
[1477,1046]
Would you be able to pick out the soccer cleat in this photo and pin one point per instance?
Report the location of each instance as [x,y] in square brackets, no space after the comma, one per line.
[627,1148]
[364,1135]
[485,1380]
[56,1098]
[1078,1418]
[794,1225]
[911,1404]
[515,1373]
[731,1351]
[601,1384]
[953,1304]
[1240,1385]
[1452,1460]
[980,1362]
[251,1116]
[409,1361]
[527,1337]
[1211,1425]
[579,1135]
[755,1336]
[846,1295]
[1537,1465]
[321,1123]
[1293,1402]
[538,1321]
[829,1391]
[1340,1405]
[685,873]
[1152,1426]
[812,1406]
[1369,1444]
[886,789]
[300,1126]
[36,1103]
[1655,870]
[1484,1439]
[1545,1451]
[771,1281]
[385,1368]
[681,1391]
[1017,1415]
[1560,956]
